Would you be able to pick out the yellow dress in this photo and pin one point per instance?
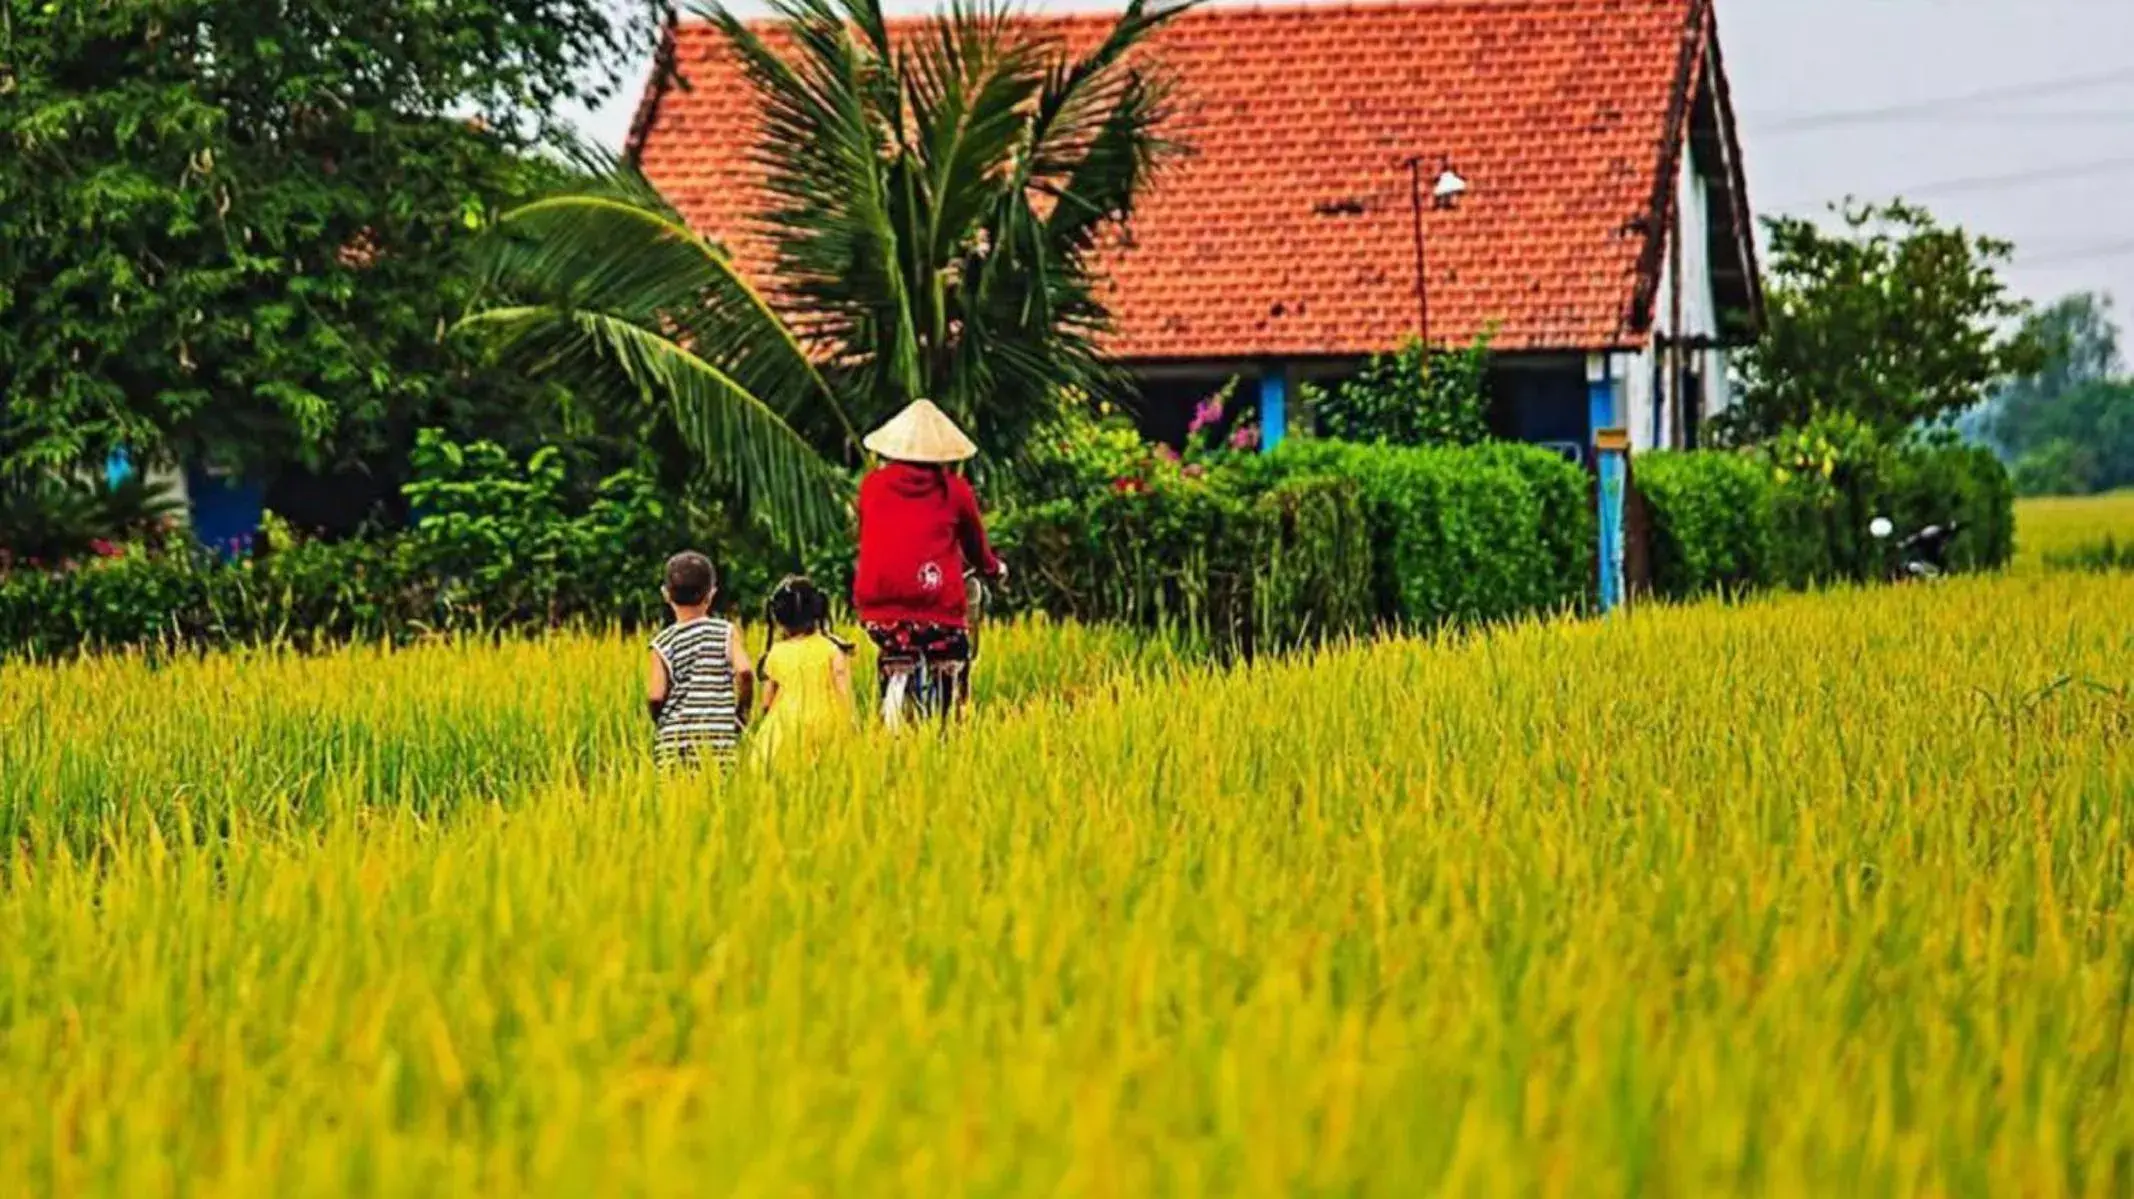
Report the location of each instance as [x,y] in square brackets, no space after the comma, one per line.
[811,707]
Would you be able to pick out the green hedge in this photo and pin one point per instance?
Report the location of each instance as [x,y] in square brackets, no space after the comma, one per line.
[306,595]
[1734,521]
[1712,522]
[1241,567]
[1317,539]
[1465,534]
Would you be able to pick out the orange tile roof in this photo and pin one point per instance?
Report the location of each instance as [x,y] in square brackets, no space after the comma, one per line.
[1287,231]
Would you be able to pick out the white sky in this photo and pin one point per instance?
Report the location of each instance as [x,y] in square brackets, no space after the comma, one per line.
[2049,170]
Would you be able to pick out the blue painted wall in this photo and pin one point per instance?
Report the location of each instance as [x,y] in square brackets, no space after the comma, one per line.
[226,511]
[1274,407]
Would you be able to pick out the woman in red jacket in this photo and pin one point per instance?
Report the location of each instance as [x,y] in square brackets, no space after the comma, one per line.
[919,530]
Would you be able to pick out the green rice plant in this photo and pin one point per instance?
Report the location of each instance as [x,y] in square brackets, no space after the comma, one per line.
[2105,554]
[2050,525]
[1809,895]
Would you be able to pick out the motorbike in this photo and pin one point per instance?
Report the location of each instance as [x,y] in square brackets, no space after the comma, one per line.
[1919,556]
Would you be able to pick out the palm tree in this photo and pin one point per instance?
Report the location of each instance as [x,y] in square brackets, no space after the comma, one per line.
[933,197]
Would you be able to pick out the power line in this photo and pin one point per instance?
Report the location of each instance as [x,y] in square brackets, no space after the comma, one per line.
[1967,117]
[2007,180]
[2081,254]
[2000,181]
[1889,112]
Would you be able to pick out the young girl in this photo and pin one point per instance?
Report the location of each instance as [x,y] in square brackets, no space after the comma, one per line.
[807,673]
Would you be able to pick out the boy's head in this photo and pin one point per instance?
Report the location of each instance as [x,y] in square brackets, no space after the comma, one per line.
[690,579]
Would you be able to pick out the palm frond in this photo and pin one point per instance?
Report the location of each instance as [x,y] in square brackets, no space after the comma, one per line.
[616,247]
[831,117]
[743,445]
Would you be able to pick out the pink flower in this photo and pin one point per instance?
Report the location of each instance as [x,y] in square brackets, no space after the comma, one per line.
[1244,437]
[103,549]
[1166,452]
[1207,413]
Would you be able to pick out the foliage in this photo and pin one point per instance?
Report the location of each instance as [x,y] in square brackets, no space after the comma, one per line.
[1552,907]
[497,543]
[2081,443]
[1461,535]
[1316,540]
[1891,318]
[1953,484]
[233,231]
[1412,397]
[1796,512]
[49,519]
[2069,426]
[1073,453]
[1236,565]
[932,207]
[1713,522]
[508,541]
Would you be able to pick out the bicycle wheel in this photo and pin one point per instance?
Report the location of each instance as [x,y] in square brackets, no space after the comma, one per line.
[896,698]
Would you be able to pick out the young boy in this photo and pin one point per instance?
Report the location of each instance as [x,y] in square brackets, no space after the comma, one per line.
[700,682]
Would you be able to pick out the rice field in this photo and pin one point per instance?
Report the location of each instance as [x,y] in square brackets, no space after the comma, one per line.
[2048,525]
[1809,895]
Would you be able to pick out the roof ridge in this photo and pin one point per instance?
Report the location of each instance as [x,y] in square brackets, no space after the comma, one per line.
[1107,12]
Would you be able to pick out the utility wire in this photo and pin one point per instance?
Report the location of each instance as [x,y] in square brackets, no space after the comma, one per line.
[1971,117]
[1890,112]
[2006,180]
[2080,254]
[2000,181]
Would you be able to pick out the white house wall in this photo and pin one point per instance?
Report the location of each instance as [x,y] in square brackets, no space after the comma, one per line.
[1699,317]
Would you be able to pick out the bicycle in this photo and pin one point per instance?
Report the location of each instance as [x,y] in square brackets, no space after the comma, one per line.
[927,691]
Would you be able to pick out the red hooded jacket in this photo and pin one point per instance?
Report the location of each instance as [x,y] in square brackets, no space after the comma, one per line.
[919,526]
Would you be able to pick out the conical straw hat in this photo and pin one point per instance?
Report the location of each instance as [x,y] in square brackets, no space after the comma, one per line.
[921,433]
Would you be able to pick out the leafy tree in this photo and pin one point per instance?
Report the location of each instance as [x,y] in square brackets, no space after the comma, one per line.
[2077,343]
[2069,426]
[233,229]
[933,199]
[1891,317]
[1411,397]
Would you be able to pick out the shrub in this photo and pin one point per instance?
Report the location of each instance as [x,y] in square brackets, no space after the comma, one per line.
[497,544]
[1563,495]
[1796,512]
[1312,562]
[1713,522]
[1412,397]
[306,595]
[510,543]
[50,519]
[1961,484]
[1463,534]
[1241,561]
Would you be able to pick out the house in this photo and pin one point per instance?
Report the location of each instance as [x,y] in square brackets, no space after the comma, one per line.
[1603,237]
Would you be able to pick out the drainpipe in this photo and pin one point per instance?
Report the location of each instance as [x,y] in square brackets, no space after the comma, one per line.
[1611,445]
[1274,405]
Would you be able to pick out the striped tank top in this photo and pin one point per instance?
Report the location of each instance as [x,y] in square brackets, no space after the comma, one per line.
[700,716]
